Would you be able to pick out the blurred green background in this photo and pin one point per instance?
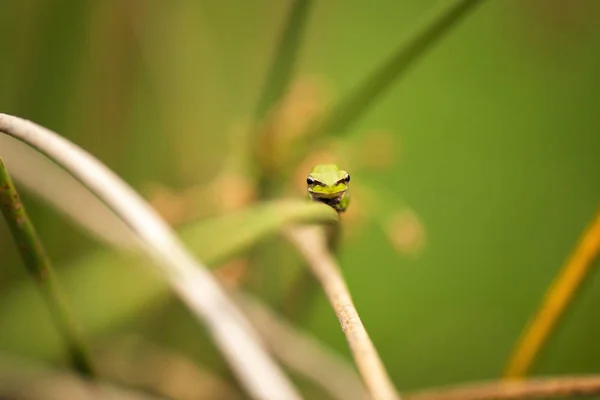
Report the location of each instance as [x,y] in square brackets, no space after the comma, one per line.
[495,142]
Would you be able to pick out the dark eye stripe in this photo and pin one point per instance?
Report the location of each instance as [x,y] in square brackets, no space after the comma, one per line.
[312,182]
[345,179]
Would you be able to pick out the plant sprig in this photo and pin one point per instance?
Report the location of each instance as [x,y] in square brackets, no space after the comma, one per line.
[40,268]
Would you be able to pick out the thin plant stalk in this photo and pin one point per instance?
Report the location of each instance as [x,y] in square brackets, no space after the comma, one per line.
[279,76]
[426,32]
[303,291]
[302,353]
[311,243]
[565,387]
[558,297]
[188,277]
[282,66]
[40,268]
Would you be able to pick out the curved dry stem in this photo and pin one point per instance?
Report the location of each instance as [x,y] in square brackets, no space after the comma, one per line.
[540,388]
[311,243]
[38,264]
[560,293]
[43,178]
[191,280]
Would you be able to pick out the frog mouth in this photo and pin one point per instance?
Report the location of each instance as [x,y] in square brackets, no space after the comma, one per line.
[325,196]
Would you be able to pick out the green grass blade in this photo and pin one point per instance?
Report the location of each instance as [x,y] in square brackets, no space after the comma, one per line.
[281,69]
[425,33]
[38,265]
[221,238]
[279,76]
[110,289]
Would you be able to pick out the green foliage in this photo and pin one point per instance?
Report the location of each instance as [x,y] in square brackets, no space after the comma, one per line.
[494,127]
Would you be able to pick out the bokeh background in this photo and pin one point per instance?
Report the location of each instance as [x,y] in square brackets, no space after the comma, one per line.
[491,139]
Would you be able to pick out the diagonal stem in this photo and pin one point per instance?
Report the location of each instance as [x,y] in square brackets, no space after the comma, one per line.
[425,33]
[311,243]
[560,293]
[282,66]
[39,267]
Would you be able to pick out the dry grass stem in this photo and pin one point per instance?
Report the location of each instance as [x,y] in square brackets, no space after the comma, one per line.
[303,353]
[541,388]
[51,184]
[310,241]
[194,284]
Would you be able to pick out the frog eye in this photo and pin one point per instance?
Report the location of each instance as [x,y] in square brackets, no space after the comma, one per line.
[345,179]
[310,181]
